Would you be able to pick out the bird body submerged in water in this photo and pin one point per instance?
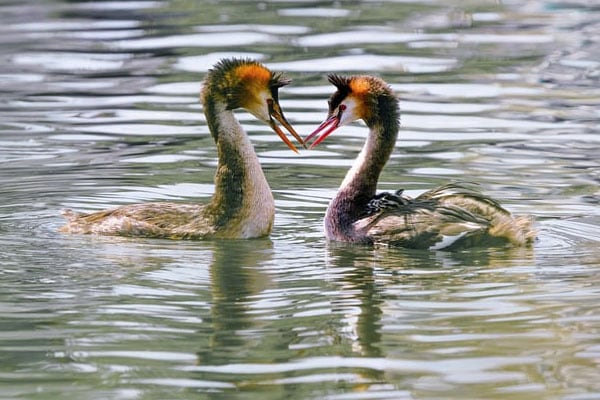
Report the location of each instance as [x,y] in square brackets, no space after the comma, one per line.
[242,205]
[455,214]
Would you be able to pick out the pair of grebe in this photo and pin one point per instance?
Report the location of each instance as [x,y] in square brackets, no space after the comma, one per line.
[243,206]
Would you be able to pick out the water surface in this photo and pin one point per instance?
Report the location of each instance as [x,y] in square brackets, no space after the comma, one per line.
[100,107]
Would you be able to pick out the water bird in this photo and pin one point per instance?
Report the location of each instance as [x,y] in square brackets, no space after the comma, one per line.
[242,205]
[453,215]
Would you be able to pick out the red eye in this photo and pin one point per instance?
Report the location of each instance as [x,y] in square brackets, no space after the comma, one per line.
[342,107]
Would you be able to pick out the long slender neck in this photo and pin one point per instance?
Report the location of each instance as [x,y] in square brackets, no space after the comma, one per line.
[242,200]
[360,183]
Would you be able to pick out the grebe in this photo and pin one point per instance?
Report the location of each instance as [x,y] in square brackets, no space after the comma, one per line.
[242,205]
[452,215]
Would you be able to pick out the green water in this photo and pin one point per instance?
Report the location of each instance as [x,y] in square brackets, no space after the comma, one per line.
[99,107]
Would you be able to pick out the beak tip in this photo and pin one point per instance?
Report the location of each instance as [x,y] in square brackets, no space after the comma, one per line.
[278,115]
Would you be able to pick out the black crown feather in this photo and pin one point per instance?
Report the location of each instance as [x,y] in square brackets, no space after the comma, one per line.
[339,81]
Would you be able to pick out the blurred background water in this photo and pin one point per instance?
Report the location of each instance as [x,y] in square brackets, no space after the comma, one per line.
[99,107]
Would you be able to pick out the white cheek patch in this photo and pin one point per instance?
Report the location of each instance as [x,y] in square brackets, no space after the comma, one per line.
[259,107]
[350,113]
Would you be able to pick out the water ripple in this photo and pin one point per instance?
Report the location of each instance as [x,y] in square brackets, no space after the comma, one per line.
[101,108]
[197,40]
[368,62]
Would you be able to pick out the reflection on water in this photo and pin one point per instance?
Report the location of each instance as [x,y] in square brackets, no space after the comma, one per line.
[100,107]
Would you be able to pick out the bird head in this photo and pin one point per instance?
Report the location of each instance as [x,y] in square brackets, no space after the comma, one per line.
[250,85]
[356,97]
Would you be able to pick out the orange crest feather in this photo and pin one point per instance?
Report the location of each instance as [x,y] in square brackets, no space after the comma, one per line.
[360,86]
[253,73]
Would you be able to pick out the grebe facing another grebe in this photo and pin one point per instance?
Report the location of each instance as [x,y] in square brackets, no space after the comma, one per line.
[242,205]
[451,215]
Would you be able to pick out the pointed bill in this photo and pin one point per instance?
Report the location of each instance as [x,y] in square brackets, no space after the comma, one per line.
[276,114]
[323,130]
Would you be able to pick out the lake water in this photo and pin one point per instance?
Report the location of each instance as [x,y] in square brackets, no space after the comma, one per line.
[99,107]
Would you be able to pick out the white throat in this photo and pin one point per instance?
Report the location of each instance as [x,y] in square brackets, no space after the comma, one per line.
[359,163]
[258,204]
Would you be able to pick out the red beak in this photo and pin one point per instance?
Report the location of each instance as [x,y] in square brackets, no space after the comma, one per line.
[324,130]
